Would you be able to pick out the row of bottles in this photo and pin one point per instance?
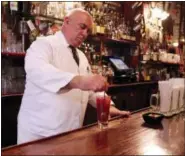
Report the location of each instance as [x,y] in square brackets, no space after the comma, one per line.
[106,20]
[95,56]
[160,59]
[10,43]
[45,18]
[53,9]
[110,22]
[151,73]
[92,52]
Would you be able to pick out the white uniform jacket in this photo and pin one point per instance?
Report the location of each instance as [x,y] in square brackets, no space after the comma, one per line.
[50,66]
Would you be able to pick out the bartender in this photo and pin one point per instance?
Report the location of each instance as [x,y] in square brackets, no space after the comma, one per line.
[59,83]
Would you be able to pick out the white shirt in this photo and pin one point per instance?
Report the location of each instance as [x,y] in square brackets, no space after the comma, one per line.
[50,66]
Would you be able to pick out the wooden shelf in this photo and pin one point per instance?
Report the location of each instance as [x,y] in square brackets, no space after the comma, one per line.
[98,36]
[104,38]
[133,84]
[20,54]
[12,94]
[123,41]
[47,18]
[160,63]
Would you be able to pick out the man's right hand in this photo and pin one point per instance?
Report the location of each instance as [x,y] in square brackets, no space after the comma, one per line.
[94,83]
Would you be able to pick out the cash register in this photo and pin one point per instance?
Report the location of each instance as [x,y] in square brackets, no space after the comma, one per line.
[122,73]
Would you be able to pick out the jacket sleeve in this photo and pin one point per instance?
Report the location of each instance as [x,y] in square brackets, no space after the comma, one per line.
[39,69]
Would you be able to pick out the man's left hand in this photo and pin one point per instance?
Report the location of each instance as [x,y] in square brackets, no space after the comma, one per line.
[114,112]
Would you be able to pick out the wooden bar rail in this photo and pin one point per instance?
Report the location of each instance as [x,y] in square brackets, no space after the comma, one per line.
[125,136]
[134,84]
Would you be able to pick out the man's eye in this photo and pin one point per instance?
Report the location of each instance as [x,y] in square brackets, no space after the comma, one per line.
[83,26]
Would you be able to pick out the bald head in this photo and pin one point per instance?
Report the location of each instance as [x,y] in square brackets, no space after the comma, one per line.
[77,11]
[76,27]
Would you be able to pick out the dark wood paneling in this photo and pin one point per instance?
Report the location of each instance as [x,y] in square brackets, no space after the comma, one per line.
[132,96]
[9,109]
[90,115]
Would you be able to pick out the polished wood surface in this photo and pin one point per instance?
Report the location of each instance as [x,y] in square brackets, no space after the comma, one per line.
[125,136]
[133,84]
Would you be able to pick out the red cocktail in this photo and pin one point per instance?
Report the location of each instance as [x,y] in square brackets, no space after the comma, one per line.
[103,105]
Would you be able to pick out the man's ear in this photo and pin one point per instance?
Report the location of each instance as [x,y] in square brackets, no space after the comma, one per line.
[66,20]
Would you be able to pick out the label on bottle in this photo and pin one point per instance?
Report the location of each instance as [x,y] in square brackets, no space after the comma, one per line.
[31,25]
[94,29]
[98,29]
[102,29]
[14,6]
[4,3]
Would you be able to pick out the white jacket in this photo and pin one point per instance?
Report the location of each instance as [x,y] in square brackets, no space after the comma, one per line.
[49,66]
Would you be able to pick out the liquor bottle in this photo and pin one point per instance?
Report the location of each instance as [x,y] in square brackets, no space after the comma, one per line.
[23,31]
[20,8]
[4,11]
[102,27]
[138,17]
[33,31]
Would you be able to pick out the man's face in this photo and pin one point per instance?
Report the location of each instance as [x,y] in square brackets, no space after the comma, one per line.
[78,28]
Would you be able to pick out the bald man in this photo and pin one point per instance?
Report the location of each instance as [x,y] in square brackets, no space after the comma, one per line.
[59,84]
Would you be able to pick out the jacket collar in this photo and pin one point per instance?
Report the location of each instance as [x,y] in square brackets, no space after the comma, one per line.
[62,38]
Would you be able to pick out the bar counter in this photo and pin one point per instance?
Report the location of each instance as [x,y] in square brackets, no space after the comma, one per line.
[133,84]
[125,136]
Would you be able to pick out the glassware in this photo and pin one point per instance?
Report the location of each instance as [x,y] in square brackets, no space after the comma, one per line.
[154,102]
[103,105]
[19,47]
[110,75]
[182,98]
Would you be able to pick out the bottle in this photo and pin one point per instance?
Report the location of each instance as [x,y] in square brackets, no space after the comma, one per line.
[23,30]
[102,26]
[33,31]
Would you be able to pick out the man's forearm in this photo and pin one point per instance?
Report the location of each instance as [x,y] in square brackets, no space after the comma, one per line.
[75,83]
[94,82]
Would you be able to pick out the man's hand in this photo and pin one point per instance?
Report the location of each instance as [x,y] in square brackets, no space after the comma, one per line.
[124,113]
[94,83]
[114,112]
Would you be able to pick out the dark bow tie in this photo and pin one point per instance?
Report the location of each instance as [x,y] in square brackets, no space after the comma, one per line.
[75,55]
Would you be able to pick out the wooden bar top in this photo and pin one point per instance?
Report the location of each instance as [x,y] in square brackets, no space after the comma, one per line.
[133,84]
[125,136]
